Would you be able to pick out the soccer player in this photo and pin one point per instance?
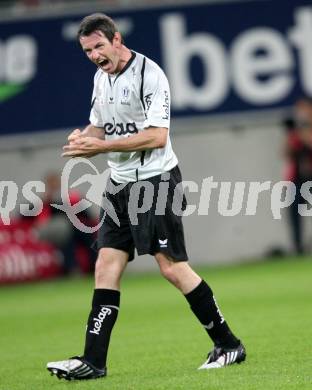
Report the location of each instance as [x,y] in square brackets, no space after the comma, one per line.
[130,120]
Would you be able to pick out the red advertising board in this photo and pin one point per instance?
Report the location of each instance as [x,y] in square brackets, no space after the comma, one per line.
[24,258]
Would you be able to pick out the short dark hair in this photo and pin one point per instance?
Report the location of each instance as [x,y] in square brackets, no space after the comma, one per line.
[97,22]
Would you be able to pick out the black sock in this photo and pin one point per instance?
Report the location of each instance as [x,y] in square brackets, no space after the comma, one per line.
[103,315]
[204,306]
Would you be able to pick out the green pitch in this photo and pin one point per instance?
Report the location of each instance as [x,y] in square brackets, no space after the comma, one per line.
[157,344]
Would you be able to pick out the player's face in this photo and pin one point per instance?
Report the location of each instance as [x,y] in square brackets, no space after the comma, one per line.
[102,52]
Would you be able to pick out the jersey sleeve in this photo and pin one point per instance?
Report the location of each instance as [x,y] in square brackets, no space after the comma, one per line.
[156,98]
[95,117]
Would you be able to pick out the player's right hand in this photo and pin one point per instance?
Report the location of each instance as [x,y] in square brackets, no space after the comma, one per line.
[74,135]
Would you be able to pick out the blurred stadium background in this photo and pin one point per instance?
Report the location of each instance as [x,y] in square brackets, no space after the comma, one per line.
[235,69]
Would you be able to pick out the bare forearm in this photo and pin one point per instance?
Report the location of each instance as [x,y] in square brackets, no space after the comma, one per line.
[93,131]
[89,146]
[148,139]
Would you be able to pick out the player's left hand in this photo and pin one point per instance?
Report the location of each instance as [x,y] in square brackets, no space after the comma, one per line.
[83,147]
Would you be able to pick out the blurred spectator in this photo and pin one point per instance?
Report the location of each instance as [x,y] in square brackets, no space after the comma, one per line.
[53,225]
[299,163]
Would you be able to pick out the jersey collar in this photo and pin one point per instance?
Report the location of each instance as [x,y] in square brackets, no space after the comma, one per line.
[133,55]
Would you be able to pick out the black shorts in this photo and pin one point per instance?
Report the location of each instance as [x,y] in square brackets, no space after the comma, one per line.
[157,228]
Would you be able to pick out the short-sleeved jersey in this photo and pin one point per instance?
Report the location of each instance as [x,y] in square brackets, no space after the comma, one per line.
[127,103]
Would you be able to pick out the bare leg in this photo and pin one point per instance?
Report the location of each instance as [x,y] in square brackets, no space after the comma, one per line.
[200,298]
[109,268]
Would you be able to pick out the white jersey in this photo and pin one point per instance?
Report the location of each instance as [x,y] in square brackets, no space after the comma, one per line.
[127,103]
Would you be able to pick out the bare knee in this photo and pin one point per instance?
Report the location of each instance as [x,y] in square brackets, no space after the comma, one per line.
[180,274]
[109,268]
[168,272]
[168,269]
[106,270]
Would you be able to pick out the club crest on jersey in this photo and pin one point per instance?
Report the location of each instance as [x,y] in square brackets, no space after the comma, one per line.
[125,96]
